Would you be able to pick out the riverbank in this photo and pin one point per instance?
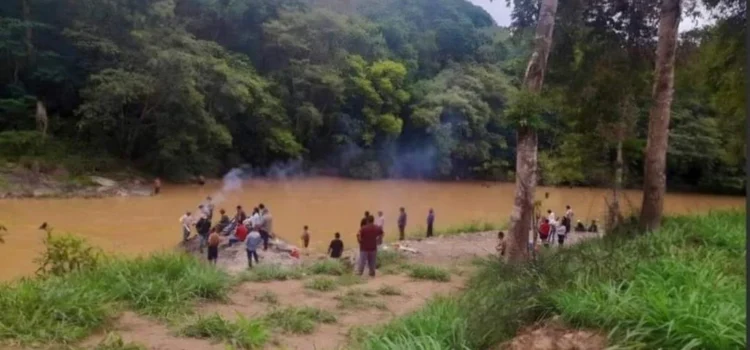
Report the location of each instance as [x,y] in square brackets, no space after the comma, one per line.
[681,286]
[21,182]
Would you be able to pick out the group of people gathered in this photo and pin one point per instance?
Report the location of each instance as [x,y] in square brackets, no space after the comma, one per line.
[253,230]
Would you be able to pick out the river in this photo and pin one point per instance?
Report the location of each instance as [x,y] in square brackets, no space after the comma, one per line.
[134,225]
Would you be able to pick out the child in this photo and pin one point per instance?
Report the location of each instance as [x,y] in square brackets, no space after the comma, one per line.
[305,237]
[501,243]
[213,245]
[336,247]
[560,230]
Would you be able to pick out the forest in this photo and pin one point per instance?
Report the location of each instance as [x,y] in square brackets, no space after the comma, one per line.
[365,88]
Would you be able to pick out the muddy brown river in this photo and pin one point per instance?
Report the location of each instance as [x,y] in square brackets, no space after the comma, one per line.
[135,225]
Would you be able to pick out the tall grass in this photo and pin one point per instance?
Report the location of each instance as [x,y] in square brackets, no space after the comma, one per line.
[69,307]
[681,287]
[241,333]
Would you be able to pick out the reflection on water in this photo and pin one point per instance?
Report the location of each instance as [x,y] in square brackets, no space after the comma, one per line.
[327,205]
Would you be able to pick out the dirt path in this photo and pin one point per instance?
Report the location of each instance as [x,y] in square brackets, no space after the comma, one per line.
[358,303]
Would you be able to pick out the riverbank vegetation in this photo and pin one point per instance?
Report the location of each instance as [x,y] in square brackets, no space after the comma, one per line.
[370,89]
[681,286]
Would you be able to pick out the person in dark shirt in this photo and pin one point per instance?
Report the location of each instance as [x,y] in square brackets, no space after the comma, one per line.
[203,226]
[241,216]
[223,221]
[363,222]
[430,222]
[401,223]
[593,228]
[580,227]
[336,247]
[368,246]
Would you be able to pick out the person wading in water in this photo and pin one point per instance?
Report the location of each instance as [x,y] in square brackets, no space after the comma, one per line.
[157,186]
[186,221]
[336,247]
[305,237]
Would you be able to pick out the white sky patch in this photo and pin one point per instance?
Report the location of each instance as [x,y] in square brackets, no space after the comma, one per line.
[501,14]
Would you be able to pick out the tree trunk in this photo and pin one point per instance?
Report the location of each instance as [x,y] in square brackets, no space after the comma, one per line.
[654,176]
[526,149]
[29,35]
[614,216]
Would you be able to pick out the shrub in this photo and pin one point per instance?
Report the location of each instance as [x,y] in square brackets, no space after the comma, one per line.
[66,253]
[267,273]
[322,284]
[327,267]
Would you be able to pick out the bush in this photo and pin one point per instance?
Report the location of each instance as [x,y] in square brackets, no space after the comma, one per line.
[242,333]
[66,253]
[267,273]
[327,267]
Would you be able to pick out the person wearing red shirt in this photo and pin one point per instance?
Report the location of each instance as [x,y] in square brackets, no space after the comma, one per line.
[368,237]
[239,234]
[544,232]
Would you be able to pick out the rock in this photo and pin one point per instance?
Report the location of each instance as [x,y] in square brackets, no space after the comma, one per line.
[43,192]
[102,181]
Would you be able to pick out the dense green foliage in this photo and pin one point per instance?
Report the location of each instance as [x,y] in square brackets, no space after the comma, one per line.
[368,88]
[681,287]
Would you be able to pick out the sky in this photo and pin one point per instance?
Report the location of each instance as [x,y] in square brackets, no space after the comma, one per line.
[501,13]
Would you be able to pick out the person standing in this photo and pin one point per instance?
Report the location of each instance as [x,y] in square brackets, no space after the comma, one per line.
[240,217]
[368,246]
[380,222]
[561,232]
[186,221]
[569,216]
[336,247]
[209,206]
[551,216]
[204,228]
[266,227]
[157,186]
[401,223]
[223,221]
[252,242]
[213,245]
[430,222]
[363,222]
[305,237]
[544,231]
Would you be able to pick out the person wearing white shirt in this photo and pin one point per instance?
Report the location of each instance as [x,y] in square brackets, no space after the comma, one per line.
[551,216]
[186,221]
[380,222]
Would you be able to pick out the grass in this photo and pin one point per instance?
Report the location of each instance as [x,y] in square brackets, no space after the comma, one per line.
[388,290]
[426,272]
[350,280]
[298,320]
[68,308]
[357,299]
[391,261]
[322,284]
[241,333]
[680,287]
[468,227]
[268,273]
[268,297]
[328,267]
[114,341]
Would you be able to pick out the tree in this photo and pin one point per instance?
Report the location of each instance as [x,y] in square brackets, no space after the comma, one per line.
[654,175]
[522,216]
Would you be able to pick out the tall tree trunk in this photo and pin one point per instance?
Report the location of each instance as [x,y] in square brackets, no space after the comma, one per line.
[654,175]
[29,35]
[526,150]
[614,216]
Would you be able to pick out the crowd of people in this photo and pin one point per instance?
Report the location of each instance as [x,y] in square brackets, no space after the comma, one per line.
[550,227]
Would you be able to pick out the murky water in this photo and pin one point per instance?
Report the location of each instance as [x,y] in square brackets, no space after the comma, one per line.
[327,205]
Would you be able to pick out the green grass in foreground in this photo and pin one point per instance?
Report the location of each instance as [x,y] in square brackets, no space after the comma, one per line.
[322,284]
[681,287]
[68,308]
[302,320]
[114,341]
[241,333]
